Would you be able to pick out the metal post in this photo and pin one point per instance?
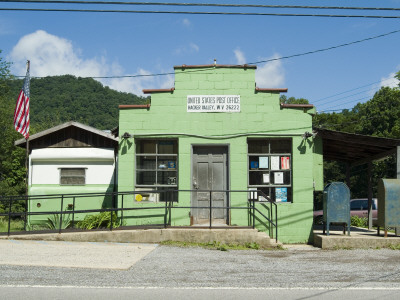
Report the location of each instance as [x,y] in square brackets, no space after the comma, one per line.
[170,212]
[27,171]
[270,217]
[25,213]
[166,212]
[112,210]
[397,229]
[369,195]
[61,211]
[276,222]
[73,212]
[9,217]
[228,214]
[348,172]
[122,208]
[111,219]
[254,214]
[210,210]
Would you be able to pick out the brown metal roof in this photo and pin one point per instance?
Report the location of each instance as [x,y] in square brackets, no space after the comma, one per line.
[150,91]
[216,66]
[284,105]
[271,90]
[355,148]
[123,106]
[70,134]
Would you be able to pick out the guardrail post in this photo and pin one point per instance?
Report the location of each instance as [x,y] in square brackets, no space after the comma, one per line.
[9,217]
[61,211]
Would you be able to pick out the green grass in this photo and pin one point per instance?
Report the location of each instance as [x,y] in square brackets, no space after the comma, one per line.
[394,247]
[16,225]
[357,221]
[217,245]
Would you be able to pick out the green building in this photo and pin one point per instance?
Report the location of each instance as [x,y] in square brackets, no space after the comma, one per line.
[218,136]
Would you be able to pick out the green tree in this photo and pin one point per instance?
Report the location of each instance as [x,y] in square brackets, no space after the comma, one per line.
[380,116]
[292,100]
[12,159]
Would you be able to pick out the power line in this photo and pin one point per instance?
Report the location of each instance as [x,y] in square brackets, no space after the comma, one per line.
[197,13]
[348,102]
[341,93]
[329,48]
[351,101]
[203,5]
[348,96]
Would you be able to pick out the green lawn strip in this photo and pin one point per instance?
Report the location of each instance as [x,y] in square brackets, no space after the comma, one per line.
[15,225]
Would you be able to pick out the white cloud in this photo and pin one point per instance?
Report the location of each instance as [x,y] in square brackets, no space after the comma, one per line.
[194,47]
[240,58]
[52,55]
[270,74]
[186,22]
[191,48]
[390,81]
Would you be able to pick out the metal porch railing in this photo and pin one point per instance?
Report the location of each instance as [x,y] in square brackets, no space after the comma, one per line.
[263,213]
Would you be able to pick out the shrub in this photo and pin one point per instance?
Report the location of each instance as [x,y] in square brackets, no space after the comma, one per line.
[101,220]
[54,222]
[356,221]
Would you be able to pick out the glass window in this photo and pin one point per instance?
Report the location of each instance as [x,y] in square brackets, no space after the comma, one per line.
[157,166]
[270,168]
[355,205]
[72,176]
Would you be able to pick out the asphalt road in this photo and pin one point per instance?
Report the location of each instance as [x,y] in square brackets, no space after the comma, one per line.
[35,270]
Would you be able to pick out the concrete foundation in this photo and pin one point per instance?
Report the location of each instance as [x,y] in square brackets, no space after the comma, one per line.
[226,236]
[358,239]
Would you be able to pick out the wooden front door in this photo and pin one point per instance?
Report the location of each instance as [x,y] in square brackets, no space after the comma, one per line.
[210,173]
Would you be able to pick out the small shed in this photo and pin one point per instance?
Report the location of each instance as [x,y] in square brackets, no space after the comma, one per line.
[70,158]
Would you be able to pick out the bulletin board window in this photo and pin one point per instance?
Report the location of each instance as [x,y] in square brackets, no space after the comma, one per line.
[270,168]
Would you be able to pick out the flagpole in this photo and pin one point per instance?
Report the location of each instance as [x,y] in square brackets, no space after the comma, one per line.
[28,64]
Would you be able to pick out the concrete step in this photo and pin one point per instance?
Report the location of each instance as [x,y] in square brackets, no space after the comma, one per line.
[197,235]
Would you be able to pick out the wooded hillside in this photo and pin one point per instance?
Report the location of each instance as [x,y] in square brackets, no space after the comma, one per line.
[54,100]
[58,99]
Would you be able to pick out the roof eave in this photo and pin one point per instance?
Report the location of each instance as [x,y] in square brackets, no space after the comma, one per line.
[22,141]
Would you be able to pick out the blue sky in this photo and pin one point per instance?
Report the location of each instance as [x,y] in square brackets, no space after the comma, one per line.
[113,44]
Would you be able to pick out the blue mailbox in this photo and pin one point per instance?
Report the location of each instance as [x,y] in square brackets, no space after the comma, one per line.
[388,203]
[336,204]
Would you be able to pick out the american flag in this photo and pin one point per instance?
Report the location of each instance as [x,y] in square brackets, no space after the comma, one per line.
[21,113]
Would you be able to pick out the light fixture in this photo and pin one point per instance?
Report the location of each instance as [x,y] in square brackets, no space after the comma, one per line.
[306,135]
[126,135]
